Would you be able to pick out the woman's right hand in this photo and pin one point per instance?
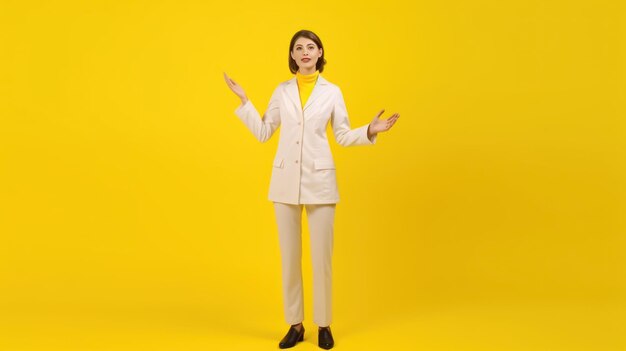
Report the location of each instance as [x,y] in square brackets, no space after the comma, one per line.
[236,88]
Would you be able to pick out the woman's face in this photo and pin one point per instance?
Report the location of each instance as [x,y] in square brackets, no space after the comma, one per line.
[305,52]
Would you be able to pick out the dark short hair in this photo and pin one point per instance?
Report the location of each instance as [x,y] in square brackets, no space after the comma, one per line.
[321,61]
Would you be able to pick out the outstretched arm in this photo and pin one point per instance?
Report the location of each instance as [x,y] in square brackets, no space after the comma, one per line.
[236,88]
[378,125]
[364,135]
[262,128]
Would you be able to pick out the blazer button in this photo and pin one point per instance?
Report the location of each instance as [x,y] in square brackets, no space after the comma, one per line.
[298,142]
[296,161]
[299,123]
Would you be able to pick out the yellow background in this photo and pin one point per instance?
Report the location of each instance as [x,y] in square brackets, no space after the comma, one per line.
[133,202]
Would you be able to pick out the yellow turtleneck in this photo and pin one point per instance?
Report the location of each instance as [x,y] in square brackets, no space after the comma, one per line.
[306,82]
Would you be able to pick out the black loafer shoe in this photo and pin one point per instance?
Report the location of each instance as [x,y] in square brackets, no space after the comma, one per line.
[292,337]
[325,338]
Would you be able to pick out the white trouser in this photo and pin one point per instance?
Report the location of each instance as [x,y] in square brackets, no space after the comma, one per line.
[320,219]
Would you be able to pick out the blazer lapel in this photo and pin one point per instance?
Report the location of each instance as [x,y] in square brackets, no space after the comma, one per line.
[318,90]
[294,95]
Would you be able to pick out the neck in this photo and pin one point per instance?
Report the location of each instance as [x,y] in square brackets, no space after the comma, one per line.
[307,70]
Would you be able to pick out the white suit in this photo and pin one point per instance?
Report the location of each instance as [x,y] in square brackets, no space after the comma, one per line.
[303,176]
[304,169]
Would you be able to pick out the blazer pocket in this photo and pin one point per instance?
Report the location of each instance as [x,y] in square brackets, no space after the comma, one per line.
[324,163]
[278,162]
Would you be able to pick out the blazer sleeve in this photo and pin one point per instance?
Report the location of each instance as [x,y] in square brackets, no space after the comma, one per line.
[341,125]
[262,128]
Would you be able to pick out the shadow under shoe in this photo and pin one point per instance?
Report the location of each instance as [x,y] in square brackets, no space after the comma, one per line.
[292,337]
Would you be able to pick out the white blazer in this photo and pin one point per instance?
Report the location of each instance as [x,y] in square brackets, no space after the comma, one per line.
[304,170]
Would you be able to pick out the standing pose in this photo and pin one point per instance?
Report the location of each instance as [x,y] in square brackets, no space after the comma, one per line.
[303,174]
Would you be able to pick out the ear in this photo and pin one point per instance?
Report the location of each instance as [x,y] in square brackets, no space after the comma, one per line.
[321,52]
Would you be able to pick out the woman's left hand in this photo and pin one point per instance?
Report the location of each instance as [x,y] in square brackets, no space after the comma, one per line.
[379,125]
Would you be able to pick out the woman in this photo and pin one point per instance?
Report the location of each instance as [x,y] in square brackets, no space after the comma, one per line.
[303,173]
